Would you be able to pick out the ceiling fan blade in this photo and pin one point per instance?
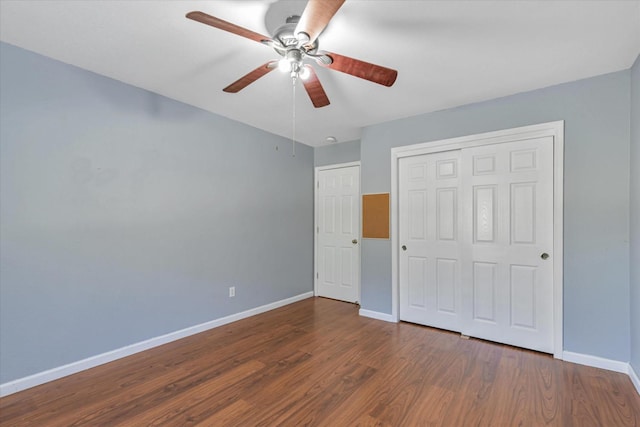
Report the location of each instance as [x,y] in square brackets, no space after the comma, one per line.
[251,77]
[226,26]
[365,70]
[314,89]
[316,16]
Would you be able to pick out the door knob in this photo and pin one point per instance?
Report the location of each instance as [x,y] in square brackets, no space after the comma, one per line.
[354,241]
[544,255]
[404,247]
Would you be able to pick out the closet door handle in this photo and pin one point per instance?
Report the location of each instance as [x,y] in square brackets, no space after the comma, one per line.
[544,255]
[404,247]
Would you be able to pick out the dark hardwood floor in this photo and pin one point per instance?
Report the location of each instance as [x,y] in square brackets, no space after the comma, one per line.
[316,362]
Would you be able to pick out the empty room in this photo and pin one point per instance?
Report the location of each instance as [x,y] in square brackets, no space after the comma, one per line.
[320,212]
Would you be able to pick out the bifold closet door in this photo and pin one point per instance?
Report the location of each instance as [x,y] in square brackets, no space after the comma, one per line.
[476,233]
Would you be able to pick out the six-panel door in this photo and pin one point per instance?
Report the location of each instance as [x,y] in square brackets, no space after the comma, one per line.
[430,262]
[338,233]
[509,286]
[477,225]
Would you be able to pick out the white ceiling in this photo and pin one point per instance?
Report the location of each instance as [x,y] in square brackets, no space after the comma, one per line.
[447,53]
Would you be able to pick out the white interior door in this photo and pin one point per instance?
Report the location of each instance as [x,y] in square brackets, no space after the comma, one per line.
[429,229]
[508,242]
[477,225]
[338,233]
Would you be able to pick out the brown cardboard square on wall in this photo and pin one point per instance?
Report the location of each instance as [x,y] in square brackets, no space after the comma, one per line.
[375,216]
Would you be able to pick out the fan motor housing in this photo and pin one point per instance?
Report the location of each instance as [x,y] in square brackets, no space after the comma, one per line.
[286,37]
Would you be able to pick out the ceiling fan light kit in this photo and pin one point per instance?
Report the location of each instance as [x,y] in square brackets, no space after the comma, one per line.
[295,41]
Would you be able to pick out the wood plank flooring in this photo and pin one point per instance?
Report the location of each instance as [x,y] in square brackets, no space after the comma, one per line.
[316,362]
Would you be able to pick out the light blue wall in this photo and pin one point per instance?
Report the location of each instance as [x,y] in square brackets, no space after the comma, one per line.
[596,203]
[337,153]
[125,215]
[635,216]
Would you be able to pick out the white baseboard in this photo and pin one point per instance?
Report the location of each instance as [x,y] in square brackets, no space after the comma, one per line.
[100,359]
[596,362]
[634,378]
[376,315]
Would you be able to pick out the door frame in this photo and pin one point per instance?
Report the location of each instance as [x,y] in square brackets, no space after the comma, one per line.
[552,129]
[316,224]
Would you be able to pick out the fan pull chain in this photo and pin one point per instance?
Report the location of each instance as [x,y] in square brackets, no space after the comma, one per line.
[293,125]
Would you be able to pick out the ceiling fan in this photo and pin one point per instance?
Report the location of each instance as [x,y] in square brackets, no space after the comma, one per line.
[297,40]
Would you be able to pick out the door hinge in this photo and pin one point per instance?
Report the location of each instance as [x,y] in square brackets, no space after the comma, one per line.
[318,229]
[318,184]
[317,275]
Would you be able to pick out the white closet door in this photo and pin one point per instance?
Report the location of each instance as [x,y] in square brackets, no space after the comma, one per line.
[508,238]
[429,231]
[477,225]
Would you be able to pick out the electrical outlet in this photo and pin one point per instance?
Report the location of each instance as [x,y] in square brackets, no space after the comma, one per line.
[232,291]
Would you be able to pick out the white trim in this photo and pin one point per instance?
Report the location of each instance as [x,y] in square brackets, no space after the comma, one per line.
[558,238]
[100,359]
[376,315]
[634,378]
[338,166]
[480,139]
[596,362]
[553,129]
[394,196]
[316,217]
